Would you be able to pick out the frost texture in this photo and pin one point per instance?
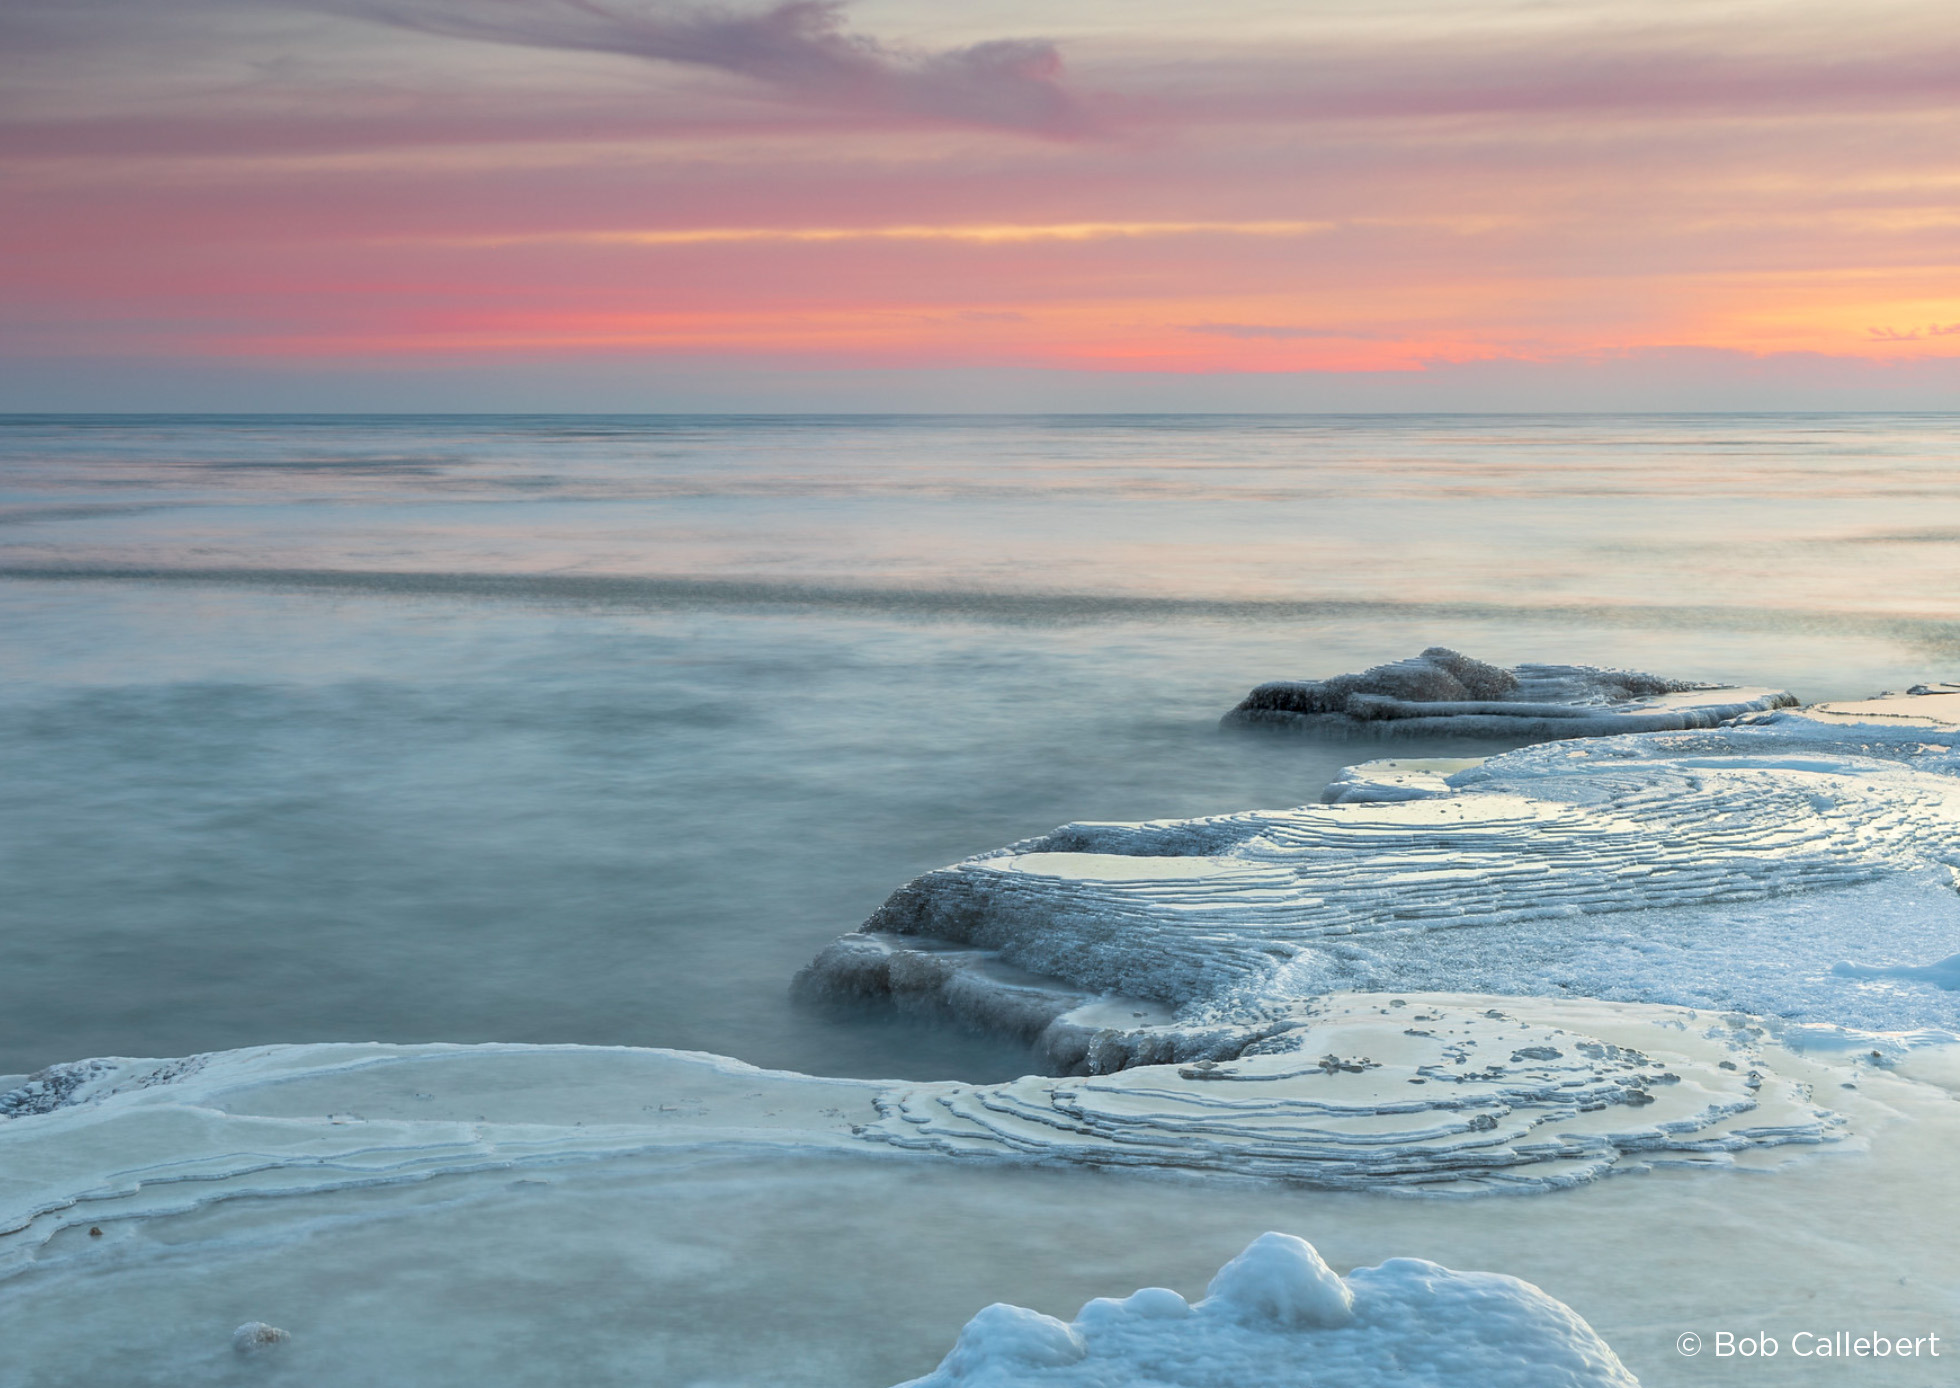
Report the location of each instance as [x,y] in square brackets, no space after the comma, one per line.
[1278,1316]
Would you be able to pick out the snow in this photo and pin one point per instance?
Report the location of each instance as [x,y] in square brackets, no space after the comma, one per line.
[1283,1283]
[1943,973]
[1277,1315]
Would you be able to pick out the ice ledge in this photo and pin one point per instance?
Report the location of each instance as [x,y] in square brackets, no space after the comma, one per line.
[1446,1093]
[1424,1092]
[1225,918]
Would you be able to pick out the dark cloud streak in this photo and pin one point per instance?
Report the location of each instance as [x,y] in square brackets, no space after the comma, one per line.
[799,49]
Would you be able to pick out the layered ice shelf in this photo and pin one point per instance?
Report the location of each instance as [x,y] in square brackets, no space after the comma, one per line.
[1429,1092]
[1442,693]
[1687,867]
[1432,1092]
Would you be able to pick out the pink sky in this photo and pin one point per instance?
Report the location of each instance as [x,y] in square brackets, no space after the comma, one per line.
[1232,202]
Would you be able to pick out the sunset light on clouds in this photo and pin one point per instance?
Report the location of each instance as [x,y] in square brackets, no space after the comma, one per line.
[1293,196]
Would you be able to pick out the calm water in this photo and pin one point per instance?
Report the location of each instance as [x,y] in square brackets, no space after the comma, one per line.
[596,729]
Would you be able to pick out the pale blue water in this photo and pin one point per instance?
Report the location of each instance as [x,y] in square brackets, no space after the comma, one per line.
[596,729]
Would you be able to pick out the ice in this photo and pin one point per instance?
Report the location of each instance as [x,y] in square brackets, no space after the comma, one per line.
[1266,1026]
[498,1216]
[1277,1315]
[1282,1282]
[1532,1096]
[1944,973]
[1404,778]
[1420,1092]
[1726,867]
[1442,693]
[255,1337]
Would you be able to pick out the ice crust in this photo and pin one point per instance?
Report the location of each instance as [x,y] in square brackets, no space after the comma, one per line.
[1428,1092]
[1424,1093]
[1278,1316]
[1506,875]
[131,1139]
[1199,980]
[1443,693]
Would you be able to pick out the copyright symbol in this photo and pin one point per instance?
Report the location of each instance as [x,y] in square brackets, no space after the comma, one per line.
[1689,1343]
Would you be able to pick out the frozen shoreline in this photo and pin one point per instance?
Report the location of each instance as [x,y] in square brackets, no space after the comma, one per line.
[1230,1057]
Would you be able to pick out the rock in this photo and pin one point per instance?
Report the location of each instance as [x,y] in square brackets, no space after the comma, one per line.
[1444,693]
[255,1337]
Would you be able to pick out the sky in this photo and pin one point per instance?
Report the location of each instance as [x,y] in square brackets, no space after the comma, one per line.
[992,204]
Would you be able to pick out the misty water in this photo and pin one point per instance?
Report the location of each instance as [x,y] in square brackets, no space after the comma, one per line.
[597,729]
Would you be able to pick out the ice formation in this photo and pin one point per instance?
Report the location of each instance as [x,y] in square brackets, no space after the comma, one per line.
[1425,1091]
[1219,991]
[105,1142]
[1278,1316]
[1428,1092]
[1442,693]
[1228,921]
[1943,973]
[255,1337]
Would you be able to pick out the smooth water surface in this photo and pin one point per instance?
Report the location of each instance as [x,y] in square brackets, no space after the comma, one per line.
[596,729]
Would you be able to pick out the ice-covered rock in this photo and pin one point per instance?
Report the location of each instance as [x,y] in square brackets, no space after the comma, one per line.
[1443,693]
[1074,1029]
[255,1337]
[1278,1316]
[1226,920]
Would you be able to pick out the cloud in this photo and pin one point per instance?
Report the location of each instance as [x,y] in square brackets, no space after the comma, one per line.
[799,48]
[1912,334]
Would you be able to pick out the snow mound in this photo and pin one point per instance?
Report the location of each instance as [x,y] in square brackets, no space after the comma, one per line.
[1283,1282]
[1278,1316]
[1441,692]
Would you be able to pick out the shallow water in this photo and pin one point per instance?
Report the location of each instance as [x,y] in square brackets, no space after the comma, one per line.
[595,730]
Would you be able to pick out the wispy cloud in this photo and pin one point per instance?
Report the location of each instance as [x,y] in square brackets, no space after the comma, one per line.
[799,48]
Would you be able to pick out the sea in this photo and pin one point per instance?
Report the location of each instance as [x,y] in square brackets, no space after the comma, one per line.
[595,729]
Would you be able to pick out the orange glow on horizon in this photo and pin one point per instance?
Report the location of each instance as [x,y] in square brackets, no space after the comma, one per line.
[1531,194]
